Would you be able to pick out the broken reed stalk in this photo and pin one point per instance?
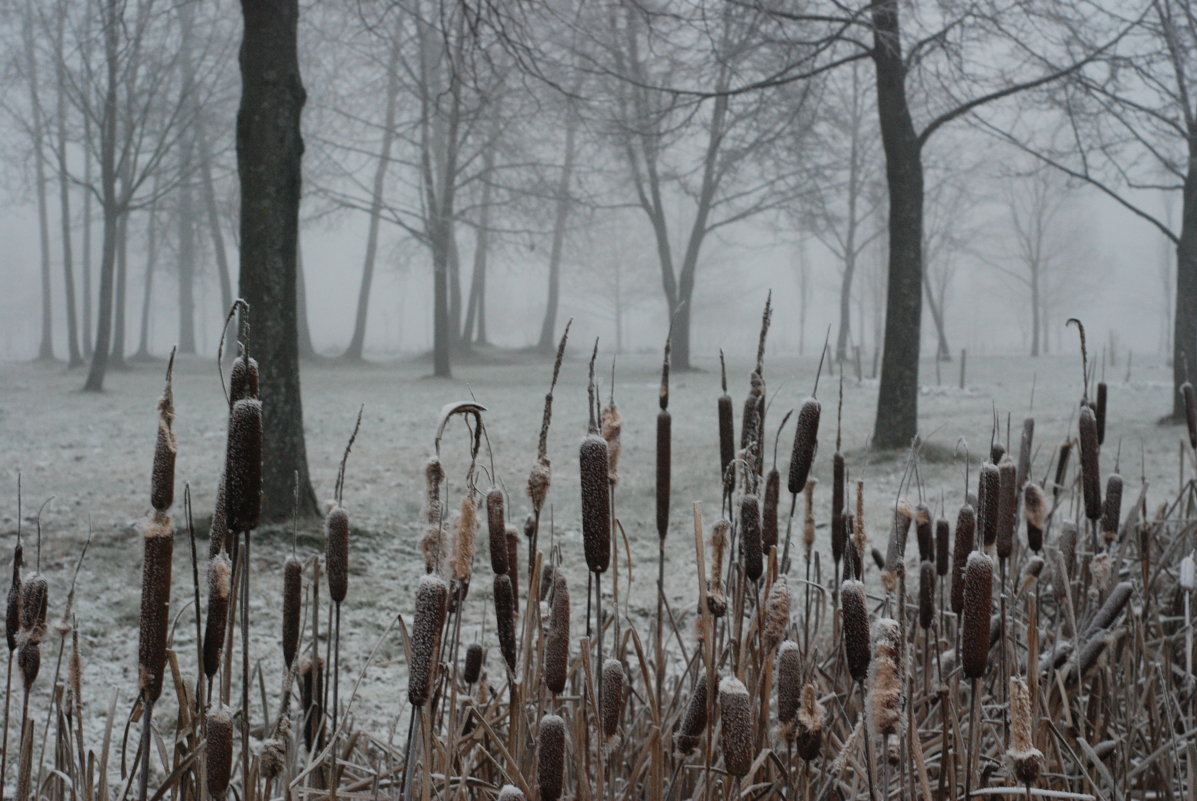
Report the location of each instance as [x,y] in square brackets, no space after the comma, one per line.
[540,478]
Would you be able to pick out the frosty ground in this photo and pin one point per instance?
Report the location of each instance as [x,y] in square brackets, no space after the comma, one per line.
[92,454]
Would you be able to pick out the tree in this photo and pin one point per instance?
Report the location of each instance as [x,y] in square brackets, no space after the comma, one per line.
[269,152]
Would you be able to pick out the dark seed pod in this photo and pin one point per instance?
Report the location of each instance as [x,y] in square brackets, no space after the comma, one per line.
[34,598]
[769,519]
[243,380]
[556,643]
[1034,506]
[219,751]
[432,603]
[496,530]
[727,441]
[664,467]
[735,740]
[12,611]
[1007,521]
[243,466]
[810,725]
[159,542]
[513,560]
[966,524]
[789,685]
[926,594]
[997,452]
[218,529]
[1025,445]
[472,670]
[219,588]
[1090,467]
[856,629]
[29,661]
[1061,468]
[336,552]
[839,533]
[978,606]
[162,476]
[750,537]
[596,503]
[988,494]
[1190,402]
[505,618]
[292,601]
[1099,411]
[943,548]
[806,440]
[694,723]
[1105,617]
[1112,510]
[612,696]
[878,559]
[550,757]
[925,531]
[853,559]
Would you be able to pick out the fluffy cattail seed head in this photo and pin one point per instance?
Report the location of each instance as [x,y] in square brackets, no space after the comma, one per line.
[966,525]
[336,552]
[219,751]
[292,601]
[1112,508]
[694,722]
[612,427]
[806,440]
[716,595]
[735,710]
[219,586]
[550,757]
[1026,761]
[896,552]
[769,513]
[750,537]
[35,593]
[1090,463]
[856,628]
[611,702]
[1025,443]
[159,540]
[926,594]
[496,530]
[886,678]
[988,495]
[596,503]
[432,603]
[978,606]
[943,547]
[510,792]
[789,683]
[243,466]
[556,646]
[472,670]
[1034,505]
[1007,521]
[777,613]
[810,724]
[462,561]
[162,476]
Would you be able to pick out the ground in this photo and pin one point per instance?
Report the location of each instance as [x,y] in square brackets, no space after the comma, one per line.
[92,454]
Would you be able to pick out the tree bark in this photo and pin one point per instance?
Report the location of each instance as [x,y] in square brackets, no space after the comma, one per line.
[548,327]
[306,349]
[897,403]
[119,315]
[86,265]
[45,351]
[269,153]
[186,272]
[151,258]
[1035,312]
[476,305]
[74,358]
[942,353]
[1184,337]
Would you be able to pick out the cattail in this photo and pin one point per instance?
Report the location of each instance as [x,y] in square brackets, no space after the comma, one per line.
[243,380]
[243,466]
[292,600]
[838,533]
[943,553]
[611,700]
[694,723]
[789,683]
[162,476]
[1026,761]
[806,440]
[219,587]
[462,561]
[1112,510]
[925,530]
[808,518]
[988,494]
[432,542]
[432,601]
[926,594]
[777,613]
[886,678]
[34,600]
[12,611]
[978,604]
[472,669]
[1061,468]
[550,757]
[727,434]
[1112,608]
[596,502]
[1090,467]
[556,644]
[1099,573]
[810,724]
[1031,572]
[1025,443]
[510,792]
[336,552]
[769,513]
[853,566]
[752,423]
[664,467]
[879,559]
[896,550]
[513,560]
[274,751]
[735,737]
[311,693]
[218,529]
[716,596]
[996,452]
[219,751]
[1190,403]
[750,537]
[29,662]
[1007,520]
[856,628]
[611,430]
[159,540]
[505,618]
[496,529]
[1067,544]
[1099,411]
[1088,655]
[1034,506]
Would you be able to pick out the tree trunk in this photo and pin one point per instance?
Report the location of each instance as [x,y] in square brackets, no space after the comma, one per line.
[64,196]
[306,349]
[117,357]
[897,402]
[86,265]
[151,258]
[209,189]
[45,351]
[269,152]
[1184,337]
[186,221]
[548,328]
[476,307]
[841,338]
[440,303]
[942,353]
[1035,315]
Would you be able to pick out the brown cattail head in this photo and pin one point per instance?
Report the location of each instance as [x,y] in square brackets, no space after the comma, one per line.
[752,422]
[769,513]
[432,603]
[694,722]
[943,548]
[505,618]
[556,644]
[218,529]
[472,670]
[777,613]
[664,468]
[1034,506]
[243,380]
[896,550]
[1099,411]
[838,533]
[462,561]
[926,594]
[750,537]
[219,750]
[1190,403]
[789,686]
[1025,443]
[808,518]
[735,739]
[727,441]
[1090,463]
[806,440]
[988,493]
[924,528]
[1112,508]
[292,600]
[496,530]
[219,587]
[978,606]
[513,560]
[996,452]
[886,678]
[1026,761]
[162,477]
[34,599]
[1007,521]
[596,503]
[336,552]
[966,525]
[1061,468]
[810,724]
[159,540]
[12,611]
[856,628]
[243,466]
[29,662]
[550,757]
[611,700]
[716,595]
[612,427]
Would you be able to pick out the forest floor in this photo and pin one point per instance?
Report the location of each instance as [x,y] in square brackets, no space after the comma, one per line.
[92,454]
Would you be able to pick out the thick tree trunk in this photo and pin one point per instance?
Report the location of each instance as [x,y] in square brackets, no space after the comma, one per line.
[45,351]
[897,402]
[1184,337]
[151,258]
[269,152]
[548,327]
